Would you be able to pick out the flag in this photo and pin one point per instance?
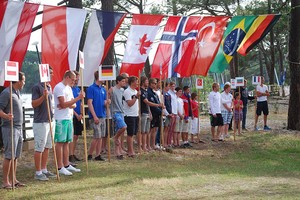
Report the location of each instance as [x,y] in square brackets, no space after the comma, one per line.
[11,71]
[107,70]
[176,45]
[100,35]
[140,39]
[233,36]
[16,21]
[210,32]
[258,30]
[239,81]
[256,80]
[61,32]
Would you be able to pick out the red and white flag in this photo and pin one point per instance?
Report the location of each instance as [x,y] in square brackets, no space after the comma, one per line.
[61,32]
[140,39]
[16,21]
[176,45]
[210,32]
[11,71]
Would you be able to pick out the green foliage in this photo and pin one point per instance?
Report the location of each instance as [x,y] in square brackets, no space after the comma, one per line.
[30,68]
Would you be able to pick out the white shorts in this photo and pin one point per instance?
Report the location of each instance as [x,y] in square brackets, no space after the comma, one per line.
[187,125]
[195,128]
[42,137]
[179,124]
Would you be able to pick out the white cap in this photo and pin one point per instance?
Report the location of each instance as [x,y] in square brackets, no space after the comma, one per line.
[227,83]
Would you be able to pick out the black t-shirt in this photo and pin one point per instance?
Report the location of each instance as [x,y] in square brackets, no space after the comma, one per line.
[144,106]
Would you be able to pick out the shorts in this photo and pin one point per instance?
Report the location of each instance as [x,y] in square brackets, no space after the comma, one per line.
[18,142]
[227,116]
[145,123]
[167,121]
[156,121]
[179,124]
[262,107]
[132,125]
[216,121]
[99,129]
[238,116]
[42,136]
[63,130]
[77,125]
[187,125]
[195,126]
[119,121]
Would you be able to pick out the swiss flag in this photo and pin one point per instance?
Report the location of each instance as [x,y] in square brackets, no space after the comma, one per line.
[176,45]
[62,28]
[16,21]
[141,36]
[210,32]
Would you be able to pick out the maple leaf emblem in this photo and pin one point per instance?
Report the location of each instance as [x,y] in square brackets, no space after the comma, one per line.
[144,44]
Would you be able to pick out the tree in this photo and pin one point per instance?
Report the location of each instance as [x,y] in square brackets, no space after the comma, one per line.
[294,58]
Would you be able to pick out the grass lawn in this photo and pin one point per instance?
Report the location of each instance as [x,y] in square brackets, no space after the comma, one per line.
[264,165]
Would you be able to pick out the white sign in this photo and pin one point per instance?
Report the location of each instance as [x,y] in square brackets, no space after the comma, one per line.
[199,83]
[107,72]
[239,81]
[44,73]
[81,60]
[11,71]
[233,84]
[256,80]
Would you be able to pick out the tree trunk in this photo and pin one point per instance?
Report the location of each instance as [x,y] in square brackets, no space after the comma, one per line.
[294,58]
[272,51]
[232,70]
[261,67]
[236,64]
[109,59]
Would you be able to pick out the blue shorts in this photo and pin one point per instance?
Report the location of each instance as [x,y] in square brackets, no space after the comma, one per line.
[227,116]
[119,121]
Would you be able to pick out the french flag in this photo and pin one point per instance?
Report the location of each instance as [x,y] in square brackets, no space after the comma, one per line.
[16,21]
[61,32]
[256,80]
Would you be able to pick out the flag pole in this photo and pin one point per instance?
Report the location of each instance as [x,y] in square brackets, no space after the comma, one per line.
[139,136]
[199,115]
[108,123]
[233,123]
[84,124]
[161,117]
[12,140]
[51,133]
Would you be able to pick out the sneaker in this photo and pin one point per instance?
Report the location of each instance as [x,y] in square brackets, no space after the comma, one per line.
[99,158]
[157,147]
[50,174]
[266,128]
[65,172]
[244,129]
[41,177]
[73,164]
[255,129]
[227,135]
[221,137]
[73,169]
[90,157]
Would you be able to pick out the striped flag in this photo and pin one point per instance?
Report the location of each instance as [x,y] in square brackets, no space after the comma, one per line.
[107,72]
[16,21]
[256,80]
[100,35]
[61,32]
[239,81]
[258,30]
[11,71]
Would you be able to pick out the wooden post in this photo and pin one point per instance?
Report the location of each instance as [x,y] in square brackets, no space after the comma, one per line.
[108,123]
[84,124]
[51,132]
[139,136]
[199,115]
[12,140]
[161,117]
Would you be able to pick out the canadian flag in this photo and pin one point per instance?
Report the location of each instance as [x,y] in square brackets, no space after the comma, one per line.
[16,21]
[62,28]
[140,39]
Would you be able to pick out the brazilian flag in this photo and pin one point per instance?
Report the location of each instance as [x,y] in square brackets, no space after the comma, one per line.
[232,38]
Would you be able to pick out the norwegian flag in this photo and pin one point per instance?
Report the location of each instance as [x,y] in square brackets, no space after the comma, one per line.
[176,45]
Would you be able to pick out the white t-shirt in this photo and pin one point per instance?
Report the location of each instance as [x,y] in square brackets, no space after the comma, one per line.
[226,98]
[262,89]
[214,102]
[180,109]
[132,111]
[61,90]
[173,102]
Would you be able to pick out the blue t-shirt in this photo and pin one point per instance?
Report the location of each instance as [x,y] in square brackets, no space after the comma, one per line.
[76,92]
[98,95]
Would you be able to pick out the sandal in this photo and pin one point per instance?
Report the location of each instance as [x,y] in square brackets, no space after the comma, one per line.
[7,187]
[120,157]
[19,184]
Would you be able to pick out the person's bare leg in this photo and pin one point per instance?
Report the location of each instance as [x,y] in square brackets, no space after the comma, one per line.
[148,141]
[239,127]
[99,146]
[256,119]
[153,132]
[265,120]
[122,144]
[219,131]
[72,145]
[130,145]
[213,130]
[93,146]
[66,154]
[59,156]
[6,172]
[139,142]
[38,160]
[166,131]
[44,161]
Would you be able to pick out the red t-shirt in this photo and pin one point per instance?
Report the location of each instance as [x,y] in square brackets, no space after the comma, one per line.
[195,105]
[236,102]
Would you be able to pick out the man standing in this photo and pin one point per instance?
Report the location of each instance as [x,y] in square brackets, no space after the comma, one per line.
[215,111]
[17,117]
[41,129]
[262,104]
[131,110]
[97,102]
[173,95]
[64,103]
[77,117]
[117,109]
[226,110]
[188,116]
